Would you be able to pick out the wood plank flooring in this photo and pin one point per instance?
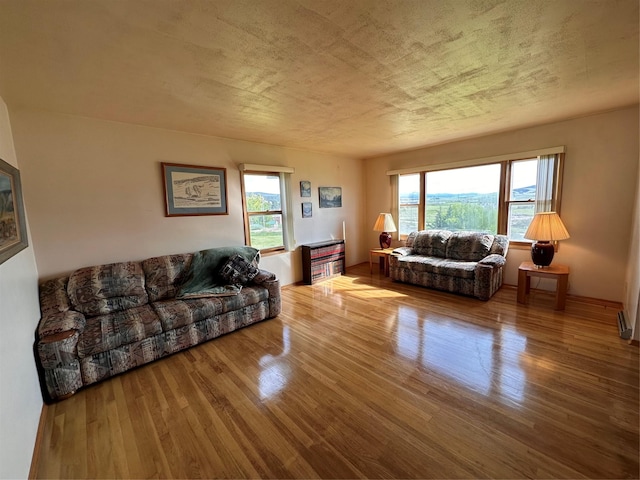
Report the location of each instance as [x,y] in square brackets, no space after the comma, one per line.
[361,377]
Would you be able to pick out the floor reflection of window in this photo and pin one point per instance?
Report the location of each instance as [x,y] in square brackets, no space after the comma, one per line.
[462,352]
[512,377]
[481,359]
[275,370]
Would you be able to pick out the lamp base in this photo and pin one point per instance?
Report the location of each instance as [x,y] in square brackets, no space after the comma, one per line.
[385,240]
[542,253]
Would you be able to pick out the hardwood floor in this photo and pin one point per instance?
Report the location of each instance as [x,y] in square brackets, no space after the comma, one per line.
[362,377]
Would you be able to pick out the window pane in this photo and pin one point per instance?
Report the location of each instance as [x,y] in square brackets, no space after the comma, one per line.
[409,189]
[263,192]
[266,231]
[523,179]
[409,193]
[520,216]
[408,219]
[463,199]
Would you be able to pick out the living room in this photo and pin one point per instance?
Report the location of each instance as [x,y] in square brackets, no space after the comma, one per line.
[93,193]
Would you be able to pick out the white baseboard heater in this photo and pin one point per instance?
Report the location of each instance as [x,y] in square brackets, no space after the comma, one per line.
[623,327]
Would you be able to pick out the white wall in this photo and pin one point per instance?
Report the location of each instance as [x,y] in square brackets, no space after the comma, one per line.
[600,175]
[20,397]
[94,193]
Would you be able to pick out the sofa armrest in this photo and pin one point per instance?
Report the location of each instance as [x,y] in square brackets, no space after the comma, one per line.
[403,251]
[488,276]
[493,260]
[57,349]
[61,322]
[275,299]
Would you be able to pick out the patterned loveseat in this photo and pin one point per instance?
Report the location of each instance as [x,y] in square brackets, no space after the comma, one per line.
[103,320]
[459,262]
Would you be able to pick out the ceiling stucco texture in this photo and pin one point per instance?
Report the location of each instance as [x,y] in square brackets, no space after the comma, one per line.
[359,78]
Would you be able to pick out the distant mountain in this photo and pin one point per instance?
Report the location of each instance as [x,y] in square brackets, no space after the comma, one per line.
[523,193]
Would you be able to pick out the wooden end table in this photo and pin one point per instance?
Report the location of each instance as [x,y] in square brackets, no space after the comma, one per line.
[383,257]
[526,270]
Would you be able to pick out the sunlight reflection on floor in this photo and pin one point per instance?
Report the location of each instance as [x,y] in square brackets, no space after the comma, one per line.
[475,358]
[275,369]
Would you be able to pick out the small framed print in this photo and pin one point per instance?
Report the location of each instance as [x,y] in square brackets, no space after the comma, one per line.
[307,210]
[305,188]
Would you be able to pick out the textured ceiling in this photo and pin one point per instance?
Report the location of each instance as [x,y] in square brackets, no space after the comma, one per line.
[353,77]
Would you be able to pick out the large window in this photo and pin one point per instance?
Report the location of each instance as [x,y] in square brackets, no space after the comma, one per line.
[463,199]
[499,197]
[263,200]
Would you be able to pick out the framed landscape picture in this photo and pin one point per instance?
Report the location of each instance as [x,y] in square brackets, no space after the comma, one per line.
[307,210]
[330,197]
[193,190]
[13,230]
[305,188]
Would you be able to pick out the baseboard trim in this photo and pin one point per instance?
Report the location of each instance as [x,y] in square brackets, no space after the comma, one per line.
[35,463]
[576,298]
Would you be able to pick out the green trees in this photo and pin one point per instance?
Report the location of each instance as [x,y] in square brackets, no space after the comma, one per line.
[463,216]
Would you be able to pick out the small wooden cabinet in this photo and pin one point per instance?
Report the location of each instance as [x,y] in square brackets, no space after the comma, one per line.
[322,260]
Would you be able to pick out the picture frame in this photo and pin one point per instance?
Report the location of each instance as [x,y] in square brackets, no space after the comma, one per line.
[13,229]
[330,197]
[305,188]
[194,190]
[307,210]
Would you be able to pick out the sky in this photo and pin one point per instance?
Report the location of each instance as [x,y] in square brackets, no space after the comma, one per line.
[259,184]
[480,179]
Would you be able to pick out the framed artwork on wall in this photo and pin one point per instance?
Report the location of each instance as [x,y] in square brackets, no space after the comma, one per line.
[193,190]
[307,210]
[13,229]
[330,197]
[305,188]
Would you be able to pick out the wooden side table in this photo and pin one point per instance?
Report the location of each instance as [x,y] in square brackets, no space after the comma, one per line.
[526,270]
[383,256]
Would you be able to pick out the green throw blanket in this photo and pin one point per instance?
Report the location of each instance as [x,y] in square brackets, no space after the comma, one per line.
[203,279]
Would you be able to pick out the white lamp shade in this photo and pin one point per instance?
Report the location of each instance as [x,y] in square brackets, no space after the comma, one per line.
[384,223]
[546,227]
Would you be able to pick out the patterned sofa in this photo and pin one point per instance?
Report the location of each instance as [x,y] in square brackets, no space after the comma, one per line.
[104,320]
[458,262]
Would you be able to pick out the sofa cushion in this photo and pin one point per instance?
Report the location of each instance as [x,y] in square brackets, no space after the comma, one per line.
[456,268]
[106,332]
[237,270]
[438,266]
[165,274]
[432,243]
[53,296]
[469,246]
[109,288]
[177,313]
[500,245]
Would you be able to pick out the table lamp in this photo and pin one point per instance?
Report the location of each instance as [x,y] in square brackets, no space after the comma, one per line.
[546,227]
[385,224]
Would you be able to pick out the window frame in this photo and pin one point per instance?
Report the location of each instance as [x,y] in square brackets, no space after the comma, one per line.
[246,214]
[504,200]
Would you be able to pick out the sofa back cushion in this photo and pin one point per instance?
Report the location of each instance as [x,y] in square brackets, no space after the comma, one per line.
[500,245]
[165,274]
[53,296]
[469,246]
[106,289]
[432,243]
